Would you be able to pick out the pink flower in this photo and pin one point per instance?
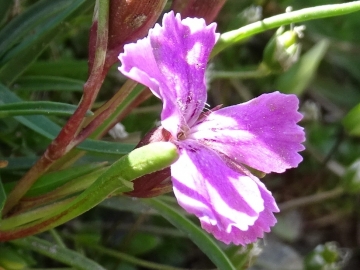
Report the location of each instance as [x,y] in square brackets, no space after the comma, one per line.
[209,178]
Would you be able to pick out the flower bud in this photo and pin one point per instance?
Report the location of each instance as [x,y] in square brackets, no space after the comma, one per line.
[156,183]
[282,51]
[198,8]
[129,20]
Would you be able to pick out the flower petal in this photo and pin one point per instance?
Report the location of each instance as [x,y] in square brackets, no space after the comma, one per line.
[261,133]
[171,61]
[139,64]
[225,200]
[265,220]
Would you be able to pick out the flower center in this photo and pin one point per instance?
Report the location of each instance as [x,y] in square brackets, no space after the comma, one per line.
[181,136]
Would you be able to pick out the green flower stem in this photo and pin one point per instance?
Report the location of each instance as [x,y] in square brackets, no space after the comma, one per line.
[242,75]
[311,199]
[141,161]
[60,145]
[72,187]
[33,215]
[229,38]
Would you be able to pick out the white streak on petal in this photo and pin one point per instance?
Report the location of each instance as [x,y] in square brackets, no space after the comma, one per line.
[205,186]
[193,53]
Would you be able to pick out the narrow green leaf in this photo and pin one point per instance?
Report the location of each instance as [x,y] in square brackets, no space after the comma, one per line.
[40,124]
[64,68]
[17,64]
[25,23]
[2,197]
[299,76]
[4,9]
[351,179]
[19,163]
[117,178]
[71,188]
[124,203]
[52,180]
[344,94]
[351,121]
[141,161]
[49,129]
[48,83]
[38,107]
[347,61]
[104,147]
[58,253]
[26,52]
[196,234]
[11,259]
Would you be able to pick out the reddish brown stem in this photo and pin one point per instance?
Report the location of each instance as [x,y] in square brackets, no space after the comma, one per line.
[15,234]
[61,144]
[33,229]
[138,100]
[104,113]
[110,107]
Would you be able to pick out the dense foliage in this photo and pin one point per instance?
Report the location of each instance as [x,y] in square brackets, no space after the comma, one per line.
[51,52]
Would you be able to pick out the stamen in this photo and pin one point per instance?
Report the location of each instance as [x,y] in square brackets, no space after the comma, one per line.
[181,135]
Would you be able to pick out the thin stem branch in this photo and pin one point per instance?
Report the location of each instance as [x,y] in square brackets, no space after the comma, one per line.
[31,216]
[74,186]
[229,38]
[62,143]
[141,161]
[312,199]
[244,74]
[106,111]
[334,167]
[121,106]
[70,210]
